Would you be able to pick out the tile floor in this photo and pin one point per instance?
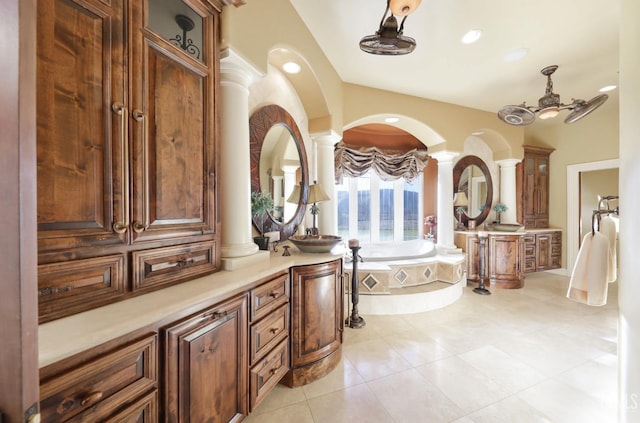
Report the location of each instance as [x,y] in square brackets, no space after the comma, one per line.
[527,355]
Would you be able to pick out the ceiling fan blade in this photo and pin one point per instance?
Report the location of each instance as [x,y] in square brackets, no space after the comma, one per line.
[583,109]
[516,115]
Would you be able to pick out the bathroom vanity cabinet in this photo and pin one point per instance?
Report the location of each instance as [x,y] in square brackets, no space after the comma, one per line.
[126,144]
[504,254]
[208,359]
[542,250]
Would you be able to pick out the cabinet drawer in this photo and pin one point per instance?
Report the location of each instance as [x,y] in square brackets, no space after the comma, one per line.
[73,286]
[529,264]
[268,332]
[163,266]
[268,372]
[529,239]
[556,249]
[556,237]
[101,386]
[269,296]
[530,250]
[556,262]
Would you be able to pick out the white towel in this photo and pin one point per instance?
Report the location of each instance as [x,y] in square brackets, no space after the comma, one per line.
[588,284]
[608,229]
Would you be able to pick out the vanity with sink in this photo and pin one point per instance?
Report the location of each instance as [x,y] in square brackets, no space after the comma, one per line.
[511,250]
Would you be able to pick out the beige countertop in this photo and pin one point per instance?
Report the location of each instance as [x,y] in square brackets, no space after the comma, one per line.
[519,232]
[65,337]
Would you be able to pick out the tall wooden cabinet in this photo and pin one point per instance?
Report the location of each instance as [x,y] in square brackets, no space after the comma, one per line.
[532,186]
[125,151]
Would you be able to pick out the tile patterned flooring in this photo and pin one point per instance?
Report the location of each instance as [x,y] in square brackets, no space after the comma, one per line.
[526,355]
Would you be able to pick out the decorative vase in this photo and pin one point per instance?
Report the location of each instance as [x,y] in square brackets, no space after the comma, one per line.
[262,242]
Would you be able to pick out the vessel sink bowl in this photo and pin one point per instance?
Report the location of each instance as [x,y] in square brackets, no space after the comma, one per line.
[315,243]
[505,227]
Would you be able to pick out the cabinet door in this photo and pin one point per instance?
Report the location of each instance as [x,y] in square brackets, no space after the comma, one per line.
[173,122]
[473,259]
[81,124]
[207,365]
[505,256]
[316,316]
[542,188]
[543,252]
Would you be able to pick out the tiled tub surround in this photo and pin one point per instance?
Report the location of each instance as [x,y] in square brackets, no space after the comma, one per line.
[408,286]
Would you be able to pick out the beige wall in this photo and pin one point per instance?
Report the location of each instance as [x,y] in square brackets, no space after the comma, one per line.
[592,184]
[254,29]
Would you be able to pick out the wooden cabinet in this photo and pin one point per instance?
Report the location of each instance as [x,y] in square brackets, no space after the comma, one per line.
[207,365]
[125,152]
[542,251]
[118,386]
[532,186]
[504,254]
[504,261]
[317,296]
[268,337]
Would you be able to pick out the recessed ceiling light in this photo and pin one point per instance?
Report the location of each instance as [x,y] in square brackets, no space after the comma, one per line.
[608,88]
[516,55]
[471,36]
[291,67]
[391,119]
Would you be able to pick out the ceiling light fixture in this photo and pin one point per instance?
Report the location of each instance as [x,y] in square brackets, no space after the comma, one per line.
[388,39]
[291,67]
[549,106]
[471,36]
[608,88]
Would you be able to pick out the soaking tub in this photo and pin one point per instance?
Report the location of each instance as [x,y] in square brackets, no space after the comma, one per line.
[405,250]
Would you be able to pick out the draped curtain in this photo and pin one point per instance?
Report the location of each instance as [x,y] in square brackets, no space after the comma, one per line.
[388,164]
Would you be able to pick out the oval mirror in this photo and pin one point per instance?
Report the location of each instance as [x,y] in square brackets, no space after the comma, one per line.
[472,178]
[279,167]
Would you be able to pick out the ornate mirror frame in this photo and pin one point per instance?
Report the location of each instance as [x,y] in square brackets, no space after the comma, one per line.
[259,124]
[458,169]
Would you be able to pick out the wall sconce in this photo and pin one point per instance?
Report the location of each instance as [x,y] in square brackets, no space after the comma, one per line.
[186,24]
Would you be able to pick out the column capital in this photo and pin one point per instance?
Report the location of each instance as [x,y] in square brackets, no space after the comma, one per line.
[326,138]
[445,156]
[235,69]
[508,162]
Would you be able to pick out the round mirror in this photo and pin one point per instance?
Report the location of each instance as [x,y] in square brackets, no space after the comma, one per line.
[473,189]
[279,167]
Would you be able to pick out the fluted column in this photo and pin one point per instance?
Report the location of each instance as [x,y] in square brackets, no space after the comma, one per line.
[508,189]
[234,193]
[326,176]
[445,200]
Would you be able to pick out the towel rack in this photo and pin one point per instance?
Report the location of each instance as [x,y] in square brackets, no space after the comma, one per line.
[597,214]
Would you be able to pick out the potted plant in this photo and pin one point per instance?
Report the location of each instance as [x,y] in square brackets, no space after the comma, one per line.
[261,204]
[499,208]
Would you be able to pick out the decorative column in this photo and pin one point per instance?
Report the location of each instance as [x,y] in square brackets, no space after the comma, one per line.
[508,189]
[445,200]
[234,194]
[289,183]
[326,177]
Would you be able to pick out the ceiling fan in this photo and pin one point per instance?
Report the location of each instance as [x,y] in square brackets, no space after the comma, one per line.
[388,39]
[549,106]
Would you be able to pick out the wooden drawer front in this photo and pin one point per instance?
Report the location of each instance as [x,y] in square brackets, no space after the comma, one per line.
[71,287]
[530,250]
[529,239]
[556,249]
[163,266]
[529,264]
[556,237]
[144,410]
[269,296]
[102,385]
[268,332]
[268,372]
[556,262]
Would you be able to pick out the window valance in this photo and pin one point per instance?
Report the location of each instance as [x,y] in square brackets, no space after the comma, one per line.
[388,164]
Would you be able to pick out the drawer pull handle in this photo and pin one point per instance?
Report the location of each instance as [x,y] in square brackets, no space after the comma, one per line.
[212,315]
[274,371]
[93,397]
[121,226]
[274,330]
[274,294]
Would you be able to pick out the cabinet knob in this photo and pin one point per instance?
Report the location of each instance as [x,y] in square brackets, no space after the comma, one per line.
[93,397]
[274,294]
[273,330]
